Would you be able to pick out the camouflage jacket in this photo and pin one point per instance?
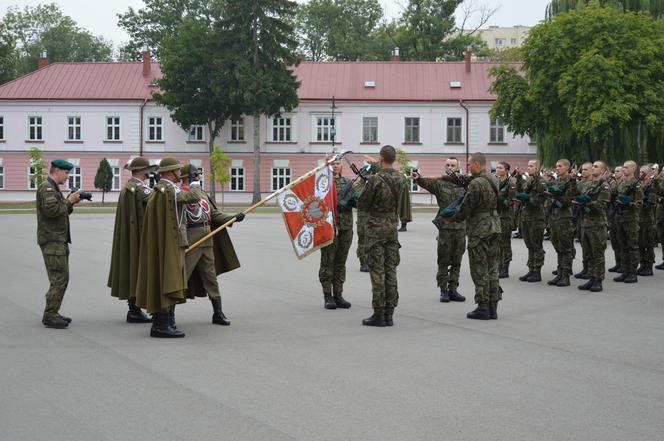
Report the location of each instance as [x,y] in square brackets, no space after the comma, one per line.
[533,208]
[478,208]
[53,211]
[345,216]
[506,199]
[628,212]
[561,205]
[650,190]
[593,213]
[382,193]
[445,193]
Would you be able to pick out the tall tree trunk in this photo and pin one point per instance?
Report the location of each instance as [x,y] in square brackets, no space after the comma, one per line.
[257,160]
[213,176]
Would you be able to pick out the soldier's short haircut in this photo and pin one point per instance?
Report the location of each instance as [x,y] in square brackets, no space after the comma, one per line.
[453,158]
[388,153]
[537,162]
[52,170]
[589,164]
[602,164]
[631,163]
[479,158]
[505,164]
[564,162]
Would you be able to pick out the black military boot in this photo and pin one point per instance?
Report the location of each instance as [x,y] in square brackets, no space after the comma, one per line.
[554,272]
[67,319]
[631,278]
[389,312]
[218,317]
[615,269]
[340,301]
[583,274]
[377,319]
[493,310]
[525,276]
[645,270]
[564,280]
[586,286]
[364,267]
[535,276]
[455,296]
[660,266]
[55,323]
[504,272]
[444,296]
[403,227]
[136,314]
[480,313]
[597,286]
[555,280]
[171,317]
[329,302]
[162,327]
[620,278]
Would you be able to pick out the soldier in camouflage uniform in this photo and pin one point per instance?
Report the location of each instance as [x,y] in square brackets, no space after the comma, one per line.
[362,217]
[53,237]
[479,211]
[647,231]
[332,272]
[659,215]
[452,236]
[380,199]
[612,218]
[561,192]
[506,193]
[629,197]
[530,192]
[593,196]
[582,184]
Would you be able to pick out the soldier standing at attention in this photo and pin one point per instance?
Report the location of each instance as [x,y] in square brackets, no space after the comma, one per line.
[452,235]
[54,237]
[647,232]
[161,280]
[479,211]
[613,219]
[531,195]
[127,237]
[506,193]
[561,192]
[332,272]
[362,217]
[629,197]
[659,214]
[214,256]
[380,199]
[593,198]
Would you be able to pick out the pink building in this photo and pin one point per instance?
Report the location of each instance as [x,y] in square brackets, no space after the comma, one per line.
[84,112]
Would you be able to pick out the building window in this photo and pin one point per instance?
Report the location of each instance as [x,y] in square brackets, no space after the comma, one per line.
[73,128]
[35,129]
[370,129]
[412,130]
[155,128]
[513,41]
[116,178]
[280,177]
[237,130]
[413,186]
[325,130]
[196,133]
[454,130]
[500,42]
[112,128]
[237,178]
[75,178]
[32,178]
[2,175]
[281,129]
[2,127]
[496,131]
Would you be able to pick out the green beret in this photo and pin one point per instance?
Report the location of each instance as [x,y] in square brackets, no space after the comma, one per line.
[625,199]
[169,163]
[62,164]
[523,196]
[448,212]
[555,190]
[139,163]
[583,198]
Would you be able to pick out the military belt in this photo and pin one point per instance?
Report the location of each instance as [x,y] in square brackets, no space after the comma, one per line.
[198,225]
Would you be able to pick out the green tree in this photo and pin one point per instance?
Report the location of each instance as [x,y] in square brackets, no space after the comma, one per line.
[220,163]
[427,23]
[104,178]
[404,161]
[594,78]
[196,86]
[36,159]
[653,7]
[258,39]
[7,56]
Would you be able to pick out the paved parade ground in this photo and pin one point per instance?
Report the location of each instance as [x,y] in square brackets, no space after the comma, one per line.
[559,364]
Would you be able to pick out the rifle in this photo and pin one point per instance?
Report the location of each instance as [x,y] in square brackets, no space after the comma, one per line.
[457,180]
[347,205]
[629,191]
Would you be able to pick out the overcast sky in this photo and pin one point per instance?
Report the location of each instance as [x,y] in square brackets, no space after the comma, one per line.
[99,17]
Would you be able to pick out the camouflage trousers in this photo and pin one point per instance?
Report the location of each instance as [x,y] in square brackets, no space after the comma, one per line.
[533,237]
[202,259]
[483,260]
[505,247]
[56,260]
[562,239]
[361,235]
[627,240]
[647,241]
[383,258]
[613,236]
[332,272]
[660,236]
[451,246]
[593,246]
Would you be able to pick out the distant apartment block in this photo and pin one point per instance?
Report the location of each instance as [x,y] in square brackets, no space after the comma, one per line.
[497,37]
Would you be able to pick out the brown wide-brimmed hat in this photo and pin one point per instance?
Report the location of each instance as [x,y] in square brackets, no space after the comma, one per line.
[140,163]
[169,163]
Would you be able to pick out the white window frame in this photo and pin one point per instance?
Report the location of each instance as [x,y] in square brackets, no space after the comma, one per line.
[117,174]
[323,127]
[281,176]
[367,129]
[500,41]
[496,131]
[283,127]
[74,130]
[412,129]
[113,128]
[155,128]
[237,130]
[238,177]
[2,127]
[75,175]
[196,133]
[38,126]
[2,174]
[32,181]
[454,127]
[414,188]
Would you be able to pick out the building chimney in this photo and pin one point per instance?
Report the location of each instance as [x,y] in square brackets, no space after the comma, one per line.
[43,60]
[147,62]
[469,57]
[394,56]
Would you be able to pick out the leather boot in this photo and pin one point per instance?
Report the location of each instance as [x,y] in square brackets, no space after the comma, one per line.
[455,296]
[329,302]
[597,286]
[525,276]
[554,272]
[645,270]
[403,227]
[377,319]
[162,327]
[620,278]
[389,312]
[364,267]
[67,319]
[55,323]
[171,317]
[535,276]
[493,310]
[218,317]
[341,302]
[615,269]
[631,278]
[504,272]
[583,274]
[444,296]
[135,314]
[564,280]
[660,266]
[555,280]
[480,313]
[586,286]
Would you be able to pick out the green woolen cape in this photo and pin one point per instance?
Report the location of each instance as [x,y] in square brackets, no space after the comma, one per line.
[126,241]
[405,209]
[161,273]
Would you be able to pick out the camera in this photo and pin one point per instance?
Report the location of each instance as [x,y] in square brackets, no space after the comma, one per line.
[83,194]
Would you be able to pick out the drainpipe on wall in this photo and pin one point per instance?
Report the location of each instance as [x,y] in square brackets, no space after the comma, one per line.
[467,143]
[140,136]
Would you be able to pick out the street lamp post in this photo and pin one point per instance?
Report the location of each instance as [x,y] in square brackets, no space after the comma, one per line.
[333,129]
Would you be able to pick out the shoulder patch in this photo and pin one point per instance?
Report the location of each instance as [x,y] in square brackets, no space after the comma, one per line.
[161,189]
[49,188]
[132,189]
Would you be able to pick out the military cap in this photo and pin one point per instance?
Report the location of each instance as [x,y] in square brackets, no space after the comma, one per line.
[189,171]
[139,163]
[62,164]
[169,163]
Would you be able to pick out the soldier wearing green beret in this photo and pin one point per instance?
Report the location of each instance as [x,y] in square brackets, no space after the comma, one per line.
[54,237]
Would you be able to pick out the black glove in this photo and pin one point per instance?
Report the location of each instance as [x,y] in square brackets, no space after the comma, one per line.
[239,217]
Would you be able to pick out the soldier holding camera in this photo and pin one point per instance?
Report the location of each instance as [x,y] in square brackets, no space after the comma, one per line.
[54,237]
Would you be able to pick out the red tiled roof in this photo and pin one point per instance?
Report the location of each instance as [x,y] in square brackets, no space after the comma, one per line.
[83,81]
